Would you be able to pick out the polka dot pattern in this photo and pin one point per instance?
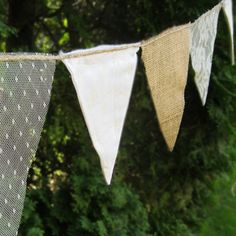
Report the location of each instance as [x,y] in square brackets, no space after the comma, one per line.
[25,89]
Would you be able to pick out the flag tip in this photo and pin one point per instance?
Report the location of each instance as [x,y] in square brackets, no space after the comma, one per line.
[107,169]
[170,142]
[108,176]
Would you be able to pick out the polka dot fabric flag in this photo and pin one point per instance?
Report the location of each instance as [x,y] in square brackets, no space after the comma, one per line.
[25,88]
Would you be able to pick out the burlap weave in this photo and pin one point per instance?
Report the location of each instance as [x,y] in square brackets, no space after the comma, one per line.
[166,60]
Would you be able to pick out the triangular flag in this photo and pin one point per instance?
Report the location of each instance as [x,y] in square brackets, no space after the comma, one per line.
[228,10]
[203,37]
[166,59]
[103,81]
[25,90]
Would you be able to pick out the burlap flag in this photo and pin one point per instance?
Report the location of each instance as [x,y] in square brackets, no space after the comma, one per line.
[103,82]
[25,88]
[203,37]
[166,59]
[228,10]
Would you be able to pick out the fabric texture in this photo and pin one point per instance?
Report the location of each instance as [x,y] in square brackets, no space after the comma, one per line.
[103,83]
[25,88]
[228,10]
[203,37]
[166,59]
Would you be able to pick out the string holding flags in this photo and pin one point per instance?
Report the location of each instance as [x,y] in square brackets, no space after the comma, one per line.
[103,78]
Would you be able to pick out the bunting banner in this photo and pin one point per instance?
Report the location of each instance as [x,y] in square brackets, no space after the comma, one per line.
[25,88]
[103,78]
[203,37]
[103,83]
[166,59]
[228,10]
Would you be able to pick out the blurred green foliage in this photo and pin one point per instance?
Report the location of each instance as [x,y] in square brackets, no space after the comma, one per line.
[222,219]
[153,192]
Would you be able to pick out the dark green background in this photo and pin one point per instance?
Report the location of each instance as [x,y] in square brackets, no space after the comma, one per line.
[153,192]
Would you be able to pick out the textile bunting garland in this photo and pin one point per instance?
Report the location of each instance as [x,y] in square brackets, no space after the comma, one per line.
[103,78]
[203,37]
[166,60]
[227,7]
[25,88]
[103,84]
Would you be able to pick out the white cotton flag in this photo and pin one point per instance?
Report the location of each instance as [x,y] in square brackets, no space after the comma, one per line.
[103,82]
[203,37]
[228,10]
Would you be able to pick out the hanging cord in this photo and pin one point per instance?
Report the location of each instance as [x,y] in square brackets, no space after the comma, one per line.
[61,56]
[82,53]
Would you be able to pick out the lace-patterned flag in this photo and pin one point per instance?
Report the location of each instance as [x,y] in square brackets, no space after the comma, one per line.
[228,10]
[25,88]
[166,59]
[103,83]
[203,37]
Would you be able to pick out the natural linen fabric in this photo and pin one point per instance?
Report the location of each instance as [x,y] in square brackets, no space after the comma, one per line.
[228,10]
[166,59]
[25,88]
[103,83]
[203,37]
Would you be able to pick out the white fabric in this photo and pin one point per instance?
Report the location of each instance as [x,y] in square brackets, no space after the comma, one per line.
[203,35]
[228,10]
[103,83]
